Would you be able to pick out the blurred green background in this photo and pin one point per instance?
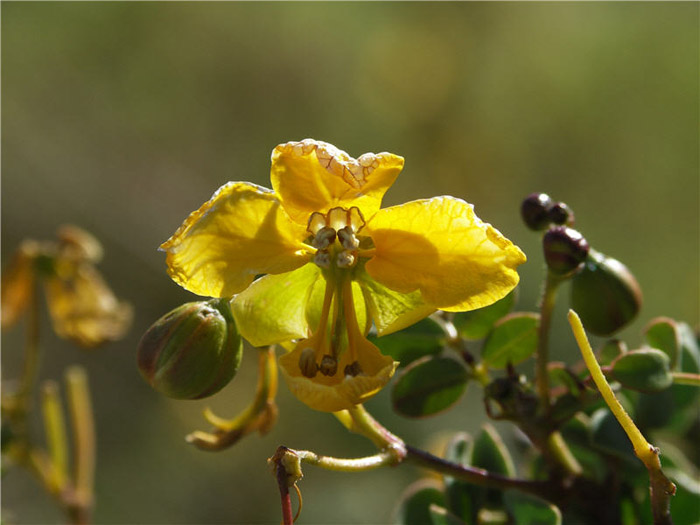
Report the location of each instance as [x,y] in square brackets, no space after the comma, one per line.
[124,117]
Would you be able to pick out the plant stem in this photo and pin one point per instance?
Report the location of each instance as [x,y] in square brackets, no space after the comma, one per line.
[286,500]
[55,429]
[475,475]
[31,358]
[660,487]
[260,415]
[686,378]
[549,294]
[84,447]
[555,445]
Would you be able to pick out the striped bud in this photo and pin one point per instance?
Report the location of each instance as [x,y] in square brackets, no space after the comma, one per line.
[193,351]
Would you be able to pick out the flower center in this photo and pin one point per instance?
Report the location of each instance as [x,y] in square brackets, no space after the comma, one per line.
[336,336]
[335,237]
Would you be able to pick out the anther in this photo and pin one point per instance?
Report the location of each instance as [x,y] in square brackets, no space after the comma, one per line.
[347,238]
[353,369]
[323,238]
[337,218]
[345,259]
[322,259]
[316,222]
[355,219]
[307,363]
[329,365]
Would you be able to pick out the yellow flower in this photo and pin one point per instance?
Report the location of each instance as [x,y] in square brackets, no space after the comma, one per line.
[81,305]
[334,263]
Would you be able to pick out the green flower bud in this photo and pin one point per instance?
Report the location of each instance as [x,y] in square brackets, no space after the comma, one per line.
[535,211]
[564,250]
[193,351]
[605,294]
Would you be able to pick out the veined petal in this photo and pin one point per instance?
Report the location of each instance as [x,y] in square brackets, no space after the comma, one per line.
[440,247]
[339,392]
[273,309]
[239,233]
[392,311]
[311,176]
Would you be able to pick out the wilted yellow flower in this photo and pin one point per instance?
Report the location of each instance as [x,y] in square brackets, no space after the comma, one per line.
[81,305]
[336,263]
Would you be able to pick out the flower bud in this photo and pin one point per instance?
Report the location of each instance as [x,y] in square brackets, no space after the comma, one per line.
[193,351]
[564,250]
[534,211]
[561,214]
[605,294]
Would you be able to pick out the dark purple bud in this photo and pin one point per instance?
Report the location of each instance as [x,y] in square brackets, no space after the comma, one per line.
[535,211]
[565,250]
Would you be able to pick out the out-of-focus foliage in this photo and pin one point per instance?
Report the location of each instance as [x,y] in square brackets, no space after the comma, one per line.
[119,116]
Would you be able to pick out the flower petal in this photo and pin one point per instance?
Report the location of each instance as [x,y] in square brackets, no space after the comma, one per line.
[273,309]
[392,311]
[339,392]
[440,247]
[239,233]
[18,283]
[82,307]
[311,176]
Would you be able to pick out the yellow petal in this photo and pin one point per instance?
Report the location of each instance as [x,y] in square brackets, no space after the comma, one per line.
[239,233]
[440,247]
[311,176]
[339,392]
[82,306]
[392,311]
[18,283]
[274,308]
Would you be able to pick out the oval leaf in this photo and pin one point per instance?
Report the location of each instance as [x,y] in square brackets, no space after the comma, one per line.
[512,340]
[645,370]
[418,340]
[460,495]
[662,333]
[414,508]
[529,510]
[490,453]
[428,386]
[476,324]
[441,516]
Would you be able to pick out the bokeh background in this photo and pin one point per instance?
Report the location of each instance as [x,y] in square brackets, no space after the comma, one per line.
[123,117]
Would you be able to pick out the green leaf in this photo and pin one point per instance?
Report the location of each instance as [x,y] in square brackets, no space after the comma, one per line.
[421,339]
[476,324]
[529,510]
[441,516]
[607,435]
[429,386]
[662,333]
[645,370]
[415,503]
[559,374]
[512,340]
[490,453]
[460,495]
[690,351]
[611,350]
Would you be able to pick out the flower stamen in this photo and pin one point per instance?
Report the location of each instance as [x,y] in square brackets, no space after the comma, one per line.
[328,366]
[307,362]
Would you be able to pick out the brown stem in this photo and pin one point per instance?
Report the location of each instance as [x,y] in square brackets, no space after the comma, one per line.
[286,499]
[478,476]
